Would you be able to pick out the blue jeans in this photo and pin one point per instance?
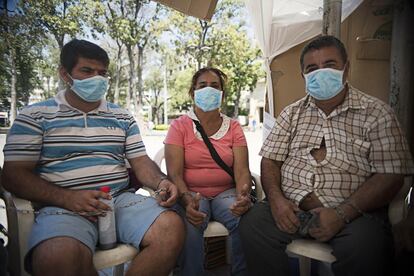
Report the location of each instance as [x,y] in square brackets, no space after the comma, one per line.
[192,258]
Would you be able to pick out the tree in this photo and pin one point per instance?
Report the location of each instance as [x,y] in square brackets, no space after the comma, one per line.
[222,43]
[154,85]
[62,18]
[233,54]
[19,52]
[133,24]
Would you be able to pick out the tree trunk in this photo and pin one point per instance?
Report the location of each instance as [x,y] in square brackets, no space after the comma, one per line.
[139,71]
[236,103]
[236,107]
[13,102]
[117,74]
[48,80]
[132,81]
[60,41]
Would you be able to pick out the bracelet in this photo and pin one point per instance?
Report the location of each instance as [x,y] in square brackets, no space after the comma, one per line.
[354,206]
[161,179]
[341,214]
[186,193]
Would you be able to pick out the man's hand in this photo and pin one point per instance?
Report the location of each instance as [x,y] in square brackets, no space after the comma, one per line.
[192,204]
[168,193]
[283,211]
[86,201]
[243,202]
[329,224]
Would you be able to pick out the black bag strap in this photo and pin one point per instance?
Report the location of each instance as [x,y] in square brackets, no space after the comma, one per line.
[212,150]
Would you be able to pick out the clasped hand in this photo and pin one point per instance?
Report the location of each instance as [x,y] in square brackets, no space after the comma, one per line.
[167,193]
[243,202]
[85,202]
[192,204]
[328,224]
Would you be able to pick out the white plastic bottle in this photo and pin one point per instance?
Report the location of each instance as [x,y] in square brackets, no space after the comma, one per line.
[106,224]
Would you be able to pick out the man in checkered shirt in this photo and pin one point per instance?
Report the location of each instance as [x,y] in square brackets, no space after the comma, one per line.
[338,153]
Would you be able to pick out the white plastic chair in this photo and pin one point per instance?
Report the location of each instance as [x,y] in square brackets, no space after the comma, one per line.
[214,228]
[19,225]
[307,249]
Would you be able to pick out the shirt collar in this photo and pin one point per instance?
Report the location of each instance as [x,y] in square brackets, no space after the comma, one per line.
[224,128]
[193,116]
[64,105]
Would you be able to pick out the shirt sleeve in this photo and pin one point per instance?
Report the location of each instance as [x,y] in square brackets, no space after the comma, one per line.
[239,140]
[25,138]
[175,134]
[134,146]
[276,146]
[389,149]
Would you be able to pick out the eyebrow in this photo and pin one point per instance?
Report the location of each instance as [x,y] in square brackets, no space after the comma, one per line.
[203,82]
[330,61]
[325,62]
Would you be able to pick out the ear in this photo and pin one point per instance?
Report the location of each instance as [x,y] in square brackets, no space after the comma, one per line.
[64,75]
[346,72]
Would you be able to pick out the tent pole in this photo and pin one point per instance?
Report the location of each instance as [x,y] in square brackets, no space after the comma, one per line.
[401,96]
[332,12]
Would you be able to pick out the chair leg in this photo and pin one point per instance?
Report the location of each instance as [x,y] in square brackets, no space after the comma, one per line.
[118,270]
[228,250]
[304,266]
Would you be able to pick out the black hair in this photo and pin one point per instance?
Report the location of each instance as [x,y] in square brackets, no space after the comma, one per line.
[220,74]
[76,48]
[322,42]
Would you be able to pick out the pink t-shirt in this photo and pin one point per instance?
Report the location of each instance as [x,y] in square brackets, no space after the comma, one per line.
[201,173]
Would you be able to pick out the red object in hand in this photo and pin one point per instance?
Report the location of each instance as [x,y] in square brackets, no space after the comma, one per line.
[105,189]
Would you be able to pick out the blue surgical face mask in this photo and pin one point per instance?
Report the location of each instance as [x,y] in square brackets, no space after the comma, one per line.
[324,84]
[208,98]
[91,89]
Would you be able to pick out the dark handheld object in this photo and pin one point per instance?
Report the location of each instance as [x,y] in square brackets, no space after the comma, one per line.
[307,220]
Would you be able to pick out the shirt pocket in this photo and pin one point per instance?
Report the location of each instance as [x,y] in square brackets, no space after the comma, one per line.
[357,153]
[303,141]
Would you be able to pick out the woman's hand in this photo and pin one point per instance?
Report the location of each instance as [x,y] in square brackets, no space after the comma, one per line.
[191,205]
[243,202]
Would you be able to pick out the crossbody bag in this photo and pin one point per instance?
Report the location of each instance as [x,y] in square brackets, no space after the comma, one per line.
[216,157]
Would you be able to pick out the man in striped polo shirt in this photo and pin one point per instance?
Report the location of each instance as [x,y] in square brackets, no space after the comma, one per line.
[61,151]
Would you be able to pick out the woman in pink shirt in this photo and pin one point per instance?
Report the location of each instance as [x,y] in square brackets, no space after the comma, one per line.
[206,190]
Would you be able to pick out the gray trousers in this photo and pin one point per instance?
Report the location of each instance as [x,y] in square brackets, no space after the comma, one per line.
[362,247]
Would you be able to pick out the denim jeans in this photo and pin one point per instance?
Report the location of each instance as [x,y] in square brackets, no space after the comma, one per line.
[192,258]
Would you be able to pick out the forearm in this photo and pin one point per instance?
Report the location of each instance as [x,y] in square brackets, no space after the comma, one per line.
[24,183]
[147,172]
[178,179]
[242,179]
[271,179]
[375,193]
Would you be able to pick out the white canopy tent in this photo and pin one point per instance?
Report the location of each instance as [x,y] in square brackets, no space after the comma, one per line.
[282,24]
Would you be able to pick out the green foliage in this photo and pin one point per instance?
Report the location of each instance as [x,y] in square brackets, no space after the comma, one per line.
[222,43]
[179,87]
[143,39]
[161,127]
[61,18]
[19,51]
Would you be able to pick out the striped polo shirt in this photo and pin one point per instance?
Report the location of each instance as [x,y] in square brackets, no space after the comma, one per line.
[74,149]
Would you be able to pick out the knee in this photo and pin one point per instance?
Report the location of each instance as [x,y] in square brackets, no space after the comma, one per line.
[245,224]
[169,229]
[61,253]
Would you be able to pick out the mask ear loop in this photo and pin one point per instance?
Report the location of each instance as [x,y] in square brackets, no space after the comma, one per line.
[67,82]
[345,70]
